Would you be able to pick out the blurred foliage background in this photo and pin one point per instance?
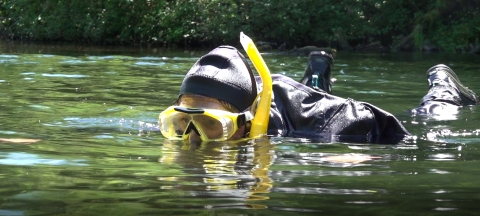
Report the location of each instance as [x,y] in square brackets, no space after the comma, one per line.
[451,25]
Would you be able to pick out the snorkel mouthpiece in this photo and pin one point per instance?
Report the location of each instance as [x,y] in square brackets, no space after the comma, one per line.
[262,115]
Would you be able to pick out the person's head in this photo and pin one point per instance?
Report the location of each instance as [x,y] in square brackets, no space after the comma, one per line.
[220,86]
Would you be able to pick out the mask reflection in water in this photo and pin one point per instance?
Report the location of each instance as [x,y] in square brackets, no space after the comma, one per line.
[225,169]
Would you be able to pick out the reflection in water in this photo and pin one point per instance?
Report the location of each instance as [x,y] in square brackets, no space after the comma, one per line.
[19,140]
[236,171]
[442,157]
[26,159]
[447,113]
[324,159]
[149,64]
[444,135]
[444,209]
[325,191]
[365,202]
[64,75]
[11,212]
[241,171]
[287,176]
[437,171]
[103,122]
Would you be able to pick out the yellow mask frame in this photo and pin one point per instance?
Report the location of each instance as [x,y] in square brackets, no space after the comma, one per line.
[177,122]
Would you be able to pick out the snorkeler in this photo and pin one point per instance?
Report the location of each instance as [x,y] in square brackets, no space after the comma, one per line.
[216,97]
[446,93]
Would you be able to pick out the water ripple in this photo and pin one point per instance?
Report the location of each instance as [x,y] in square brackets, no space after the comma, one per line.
[65,75]
[76,61]
[11,212]
[27,159]
[8,56]
[310,190]
[150,63]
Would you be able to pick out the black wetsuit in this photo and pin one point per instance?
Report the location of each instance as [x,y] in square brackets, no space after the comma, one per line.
[302,112]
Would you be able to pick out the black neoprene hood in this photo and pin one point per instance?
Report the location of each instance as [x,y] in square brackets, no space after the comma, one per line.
[223,74]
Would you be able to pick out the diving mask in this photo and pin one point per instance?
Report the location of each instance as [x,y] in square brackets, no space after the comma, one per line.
[176,123]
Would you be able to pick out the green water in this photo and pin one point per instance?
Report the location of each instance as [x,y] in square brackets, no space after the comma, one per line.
[95,111]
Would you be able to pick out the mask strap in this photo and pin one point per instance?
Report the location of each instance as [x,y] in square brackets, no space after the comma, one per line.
[244,118]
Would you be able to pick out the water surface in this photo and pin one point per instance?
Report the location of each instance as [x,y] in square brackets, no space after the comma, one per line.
[95,111]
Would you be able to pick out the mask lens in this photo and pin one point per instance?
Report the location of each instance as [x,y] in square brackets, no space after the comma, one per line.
[174,125]
[180,122]
[214,128]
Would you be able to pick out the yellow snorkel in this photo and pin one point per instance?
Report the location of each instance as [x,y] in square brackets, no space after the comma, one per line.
[262,115]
